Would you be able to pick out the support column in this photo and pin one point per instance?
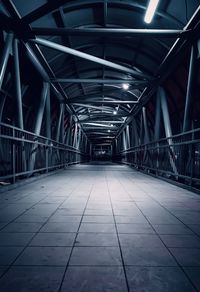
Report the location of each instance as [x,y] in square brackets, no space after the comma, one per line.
[141,137]
[59,122]
[20,122]
[5,56]
[38,124]
[127,136]
[167,126]
[48,127]
[40,113]
[48,114]
[124,140]
[75,136]
[157,118]
[146,130]
[165,112]
[135,133]
[20,119]
[190,88]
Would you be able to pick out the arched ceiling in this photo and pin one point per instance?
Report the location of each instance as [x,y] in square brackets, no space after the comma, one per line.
[93,47]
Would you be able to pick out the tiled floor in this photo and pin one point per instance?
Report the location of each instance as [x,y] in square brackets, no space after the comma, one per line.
[98,228]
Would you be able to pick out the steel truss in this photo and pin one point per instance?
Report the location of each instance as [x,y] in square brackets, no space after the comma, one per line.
[133,138]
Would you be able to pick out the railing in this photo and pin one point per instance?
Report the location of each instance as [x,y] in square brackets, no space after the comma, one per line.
[176,157]
[23,153]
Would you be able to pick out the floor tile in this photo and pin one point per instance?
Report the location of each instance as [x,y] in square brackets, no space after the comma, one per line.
[195,228]
[32,279]
[187,256]
[163,220]
[15,239]
[98,279]
[172,229]
[181,240]
[97,227]
[95,256]
[147,256]
[60,227]
[96,239]
[53,239]
[135,228]
[44,256]
[98,212]
[22,227]
[98,219]
[60,218]
[194,275]
[32,218]
[70,211]
[158,279]
[9,254]
[128,219]
[2,270]
[140,240]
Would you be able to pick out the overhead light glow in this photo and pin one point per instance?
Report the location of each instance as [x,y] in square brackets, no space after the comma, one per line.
[112,125]
[114,112]
[151,10]
[125,86]
[108,131]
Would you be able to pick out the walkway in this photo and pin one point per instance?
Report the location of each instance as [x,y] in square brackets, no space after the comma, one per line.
[99,228]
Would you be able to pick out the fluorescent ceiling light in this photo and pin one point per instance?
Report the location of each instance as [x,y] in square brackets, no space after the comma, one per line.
[114,112]
[151,10]
[125,86]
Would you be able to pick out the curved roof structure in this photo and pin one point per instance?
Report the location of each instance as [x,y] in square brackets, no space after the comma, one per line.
[102,58]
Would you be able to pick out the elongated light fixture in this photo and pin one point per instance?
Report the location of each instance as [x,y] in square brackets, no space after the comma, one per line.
[151,10]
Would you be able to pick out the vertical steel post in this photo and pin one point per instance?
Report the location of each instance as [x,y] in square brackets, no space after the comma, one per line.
[48,126]
[167,126]
[75,135]
[157,118]
[127,136]
[48,114]
[165,112]
[141,137]
[38,124]
[59,122]
[79,138]
[124,140]
[40,113]
[190,88]
[146,130]
[5,56]
[135,133]
[20,121]
[13,157]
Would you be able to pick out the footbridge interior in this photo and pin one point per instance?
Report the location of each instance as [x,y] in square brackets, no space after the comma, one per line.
[99,145]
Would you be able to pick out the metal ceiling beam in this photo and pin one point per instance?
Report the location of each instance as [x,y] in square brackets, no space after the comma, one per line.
[115,92]
[94,107]
[93,117]
[104,81]
[107,102]
[100,128]
[100,121]
[89,57]
[112,32]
